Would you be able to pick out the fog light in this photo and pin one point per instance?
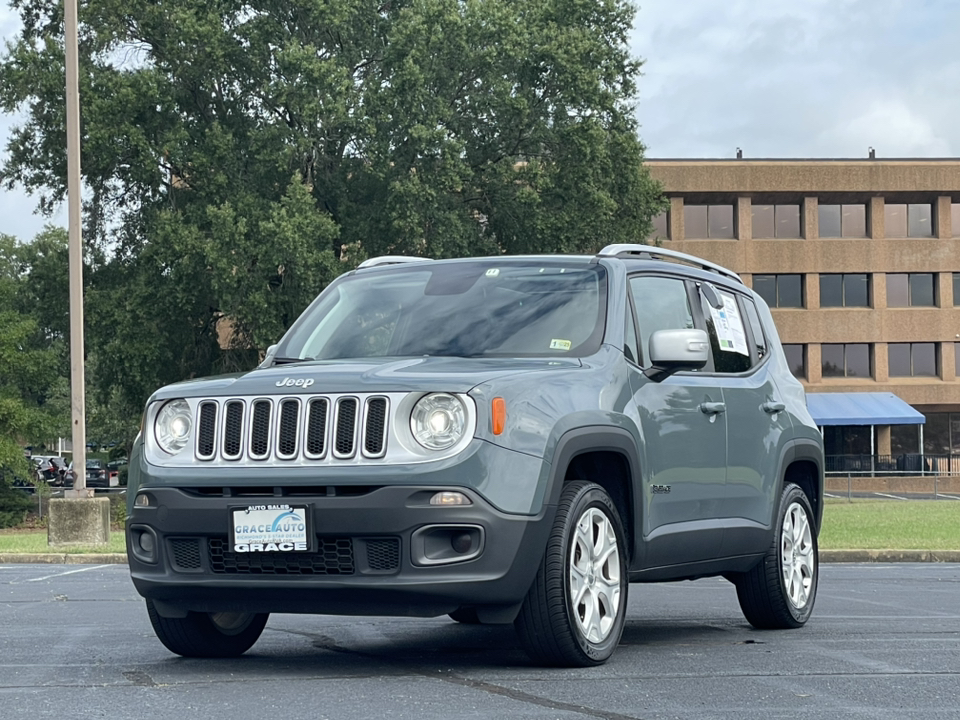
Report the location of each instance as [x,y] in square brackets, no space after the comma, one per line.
[461,543]
[146,543]
[450,498]
[142,500]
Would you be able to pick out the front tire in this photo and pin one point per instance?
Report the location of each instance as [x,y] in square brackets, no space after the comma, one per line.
[208,635]
[574,612]
[780,591]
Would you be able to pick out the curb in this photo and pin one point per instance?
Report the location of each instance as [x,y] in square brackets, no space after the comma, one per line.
[889,556]
[826,556]
[64,558]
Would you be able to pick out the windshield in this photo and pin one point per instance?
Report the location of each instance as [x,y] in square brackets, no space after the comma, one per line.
[494,308]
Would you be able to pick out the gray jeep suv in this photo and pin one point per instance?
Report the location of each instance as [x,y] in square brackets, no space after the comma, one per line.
[501,440]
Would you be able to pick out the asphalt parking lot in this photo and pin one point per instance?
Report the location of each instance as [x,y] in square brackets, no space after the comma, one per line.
[884,642]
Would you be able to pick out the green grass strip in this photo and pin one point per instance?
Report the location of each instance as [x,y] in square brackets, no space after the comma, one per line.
[857,525]
[35,541]
[891,525]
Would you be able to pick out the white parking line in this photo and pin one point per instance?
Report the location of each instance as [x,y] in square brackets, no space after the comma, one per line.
[952,497]
[69,572]
[831,495]
[895,497]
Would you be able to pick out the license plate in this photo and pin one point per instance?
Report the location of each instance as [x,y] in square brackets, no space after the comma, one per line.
[270,528]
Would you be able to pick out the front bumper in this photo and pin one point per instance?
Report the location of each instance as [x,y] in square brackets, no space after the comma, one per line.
[369,557]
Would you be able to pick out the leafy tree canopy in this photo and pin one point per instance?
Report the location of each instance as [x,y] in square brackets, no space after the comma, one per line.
[239,155]
[33,390]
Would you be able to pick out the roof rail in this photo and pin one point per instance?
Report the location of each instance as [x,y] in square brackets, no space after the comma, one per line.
[628,249]
[391,260]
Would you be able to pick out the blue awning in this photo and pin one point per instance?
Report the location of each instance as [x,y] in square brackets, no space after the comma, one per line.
[864,408]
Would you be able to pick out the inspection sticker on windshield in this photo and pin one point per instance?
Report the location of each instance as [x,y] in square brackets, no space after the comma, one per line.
[560,344]
[270,528]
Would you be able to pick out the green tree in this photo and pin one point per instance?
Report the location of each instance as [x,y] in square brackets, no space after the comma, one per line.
[239,155]
[32,386]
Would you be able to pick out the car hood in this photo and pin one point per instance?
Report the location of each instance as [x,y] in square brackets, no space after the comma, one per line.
[428,374]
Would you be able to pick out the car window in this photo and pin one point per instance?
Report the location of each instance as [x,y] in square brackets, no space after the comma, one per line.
[661,304]
[630,337]
[728,335]
[756,328]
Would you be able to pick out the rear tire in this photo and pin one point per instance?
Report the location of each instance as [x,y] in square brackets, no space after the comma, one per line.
[574,612]
[208,635]
[780,591]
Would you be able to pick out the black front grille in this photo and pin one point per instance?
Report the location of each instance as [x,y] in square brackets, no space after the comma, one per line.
[334,556]
[346,422]
[233,429]
[317,427]
[207,429]
[383,554]
[376,426]
[289,419]
[186,553]
[260,429]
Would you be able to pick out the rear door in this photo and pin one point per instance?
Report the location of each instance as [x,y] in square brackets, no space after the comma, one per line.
[757,426]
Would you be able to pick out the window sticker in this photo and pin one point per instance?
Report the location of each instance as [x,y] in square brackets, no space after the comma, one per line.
[492,272]
[729,325]
[560,344]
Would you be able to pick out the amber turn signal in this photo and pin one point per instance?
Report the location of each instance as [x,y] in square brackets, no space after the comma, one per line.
[499,412]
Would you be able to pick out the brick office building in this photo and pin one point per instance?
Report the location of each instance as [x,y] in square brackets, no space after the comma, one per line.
[860,263]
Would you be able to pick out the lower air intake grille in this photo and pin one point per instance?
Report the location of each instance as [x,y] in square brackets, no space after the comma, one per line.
[383,554]
[186,553]
[334,556]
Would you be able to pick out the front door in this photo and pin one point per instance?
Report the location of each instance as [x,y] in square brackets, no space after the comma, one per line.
[684,427]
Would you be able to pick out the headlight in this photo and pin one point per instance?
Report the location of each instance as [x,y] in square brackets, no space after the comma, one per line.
[438,421]
[173,425]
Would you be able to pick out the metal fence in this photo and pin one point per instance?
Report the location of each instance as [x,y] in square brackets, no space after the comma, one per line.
[911,464]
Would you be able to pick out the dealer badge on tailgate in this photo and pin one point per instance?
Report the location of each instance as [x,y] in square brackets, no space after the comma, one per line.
[270,528]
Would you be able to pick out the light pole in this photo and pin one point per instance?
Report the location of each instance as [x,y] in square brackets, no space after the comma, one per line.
[77,395]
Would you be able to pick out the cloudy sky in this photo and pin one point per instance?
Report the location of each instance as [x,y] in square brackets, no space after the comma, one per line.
[808,78]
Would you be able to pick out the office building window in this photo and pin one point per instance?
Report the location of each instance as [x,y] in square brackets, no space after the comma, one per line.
[708,221]
[955,219]
[845,360]
[911,290]
[842,221]
[661,224]
[905,440]
[776,221]
[908,220]
[912,359]
[851,290]
[797,360]
[783,291]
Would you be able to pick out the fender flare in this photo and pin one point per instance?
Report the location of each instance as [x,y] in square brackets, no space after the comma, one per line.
[600,438]
[804,449]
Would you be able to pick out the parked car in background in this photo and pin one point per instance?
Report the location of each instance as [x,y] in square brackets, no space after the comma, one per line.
[99,475]
[50,469]
[117,472]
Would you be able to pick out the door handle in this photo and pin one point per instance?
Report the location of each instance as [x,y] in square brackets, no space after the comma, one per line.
[712,408]
[773,407]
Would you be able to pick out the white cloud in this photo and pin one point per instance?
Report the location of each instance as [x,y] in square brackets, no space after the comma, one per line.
[799,79]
